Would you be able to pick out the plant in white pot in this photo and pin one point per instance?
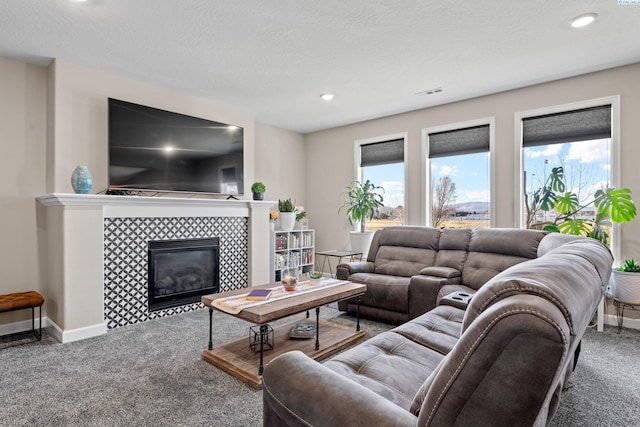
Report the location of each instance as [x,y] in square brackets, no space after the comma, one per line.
[362,201]
[287,214]
[626,282]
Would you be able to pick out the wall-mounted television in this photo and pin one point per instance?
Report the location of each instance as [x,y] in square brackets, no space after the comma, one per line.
[158,150]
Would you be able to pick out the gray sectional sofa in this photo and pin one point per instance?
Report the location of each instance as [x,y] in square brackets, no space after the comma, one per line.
[499,359]
[409,269]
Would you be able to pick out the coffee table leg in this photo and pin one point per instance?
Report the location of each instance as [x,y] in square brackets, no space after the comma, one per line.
[358,313]
[264,333]
[210,328]
[317,328]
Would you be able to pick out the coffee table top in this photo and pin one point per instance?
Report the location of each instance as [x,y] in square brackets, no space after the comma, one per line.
[271,310]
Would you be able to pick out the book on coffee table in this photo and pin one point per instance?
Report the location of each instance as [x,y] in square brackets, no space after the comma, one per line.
[259,295]
[303,330]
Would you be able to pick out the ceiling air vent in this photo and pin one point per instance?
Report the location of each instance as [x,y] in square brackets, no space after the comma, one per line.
[429,91]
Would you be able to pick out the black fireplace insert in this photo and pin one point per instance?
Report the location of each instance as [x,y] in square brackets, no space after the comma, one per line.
[181,271]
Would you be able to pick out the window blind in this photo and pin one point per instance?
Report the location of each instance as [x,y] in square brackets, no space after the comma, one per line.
[459,141]
[382,153]
[569,126]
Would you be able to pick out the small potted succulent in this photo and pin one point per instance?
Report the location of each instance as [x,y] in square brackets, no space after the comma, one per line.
[315,277]
[626,282]
[258,188]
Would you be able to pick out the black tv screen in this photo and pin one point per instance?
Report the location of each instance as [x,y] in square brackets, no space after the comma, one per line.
[153,149]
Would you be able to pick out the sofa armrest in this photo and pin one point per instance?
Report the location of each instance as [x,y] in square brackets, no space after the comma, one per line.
[346,269]
[423,292]
[444,272]
[298,391]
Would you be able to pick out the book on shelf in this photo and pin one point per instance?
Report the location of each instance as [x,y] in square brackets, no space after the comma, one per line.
[259,294]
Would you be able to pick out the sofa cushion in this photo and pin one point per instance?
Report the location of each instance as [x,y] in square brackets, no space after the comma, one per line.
[388,292]
[494,250]
[371,363]
[438,329]
[453,248]
[410,237]
[403,261]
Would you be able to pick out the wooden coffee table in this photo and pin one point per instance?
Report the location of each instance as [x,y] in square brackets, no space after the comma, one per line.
[237,358]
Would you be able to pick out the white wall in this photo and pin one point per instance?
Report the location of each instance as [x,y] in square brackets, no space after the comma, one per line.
[22,174]
[281,164]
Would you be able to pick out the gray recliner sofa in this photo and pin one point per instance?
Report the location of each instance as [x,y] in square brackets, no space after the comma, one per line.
[502,360]
[410,268]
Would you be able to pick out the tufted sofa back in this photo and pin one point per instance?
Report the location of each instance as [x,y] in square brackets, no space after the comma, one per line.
[404,251]
[494,250]
[478,254]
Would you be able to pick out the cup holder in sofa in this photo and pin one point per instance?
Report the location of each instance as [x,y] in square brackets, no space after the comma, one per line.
[457,299]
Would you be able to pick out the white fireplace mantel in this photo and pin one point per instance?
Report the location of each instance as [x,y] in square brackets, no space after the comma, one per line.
[74,229]
[145,206]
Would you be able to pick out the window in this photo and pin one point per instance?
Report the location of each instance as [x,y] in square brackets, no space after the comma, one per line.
[583,138]
[457,175]
[578,141]
[381,160]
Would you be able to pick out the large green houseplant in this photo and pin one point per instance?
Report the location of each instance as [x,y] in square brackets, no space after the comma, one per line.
[610,205]
[361,204]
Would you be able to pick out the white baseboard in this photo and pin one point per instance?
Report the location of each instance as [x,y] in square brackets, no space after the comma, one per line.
[21,326]
[64,336]
[70,335]
[612,320]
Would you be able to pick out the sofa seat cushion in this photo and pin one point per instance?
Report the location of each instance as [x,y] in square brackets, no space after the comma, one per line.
[388,364]
[438,329]
[388,292]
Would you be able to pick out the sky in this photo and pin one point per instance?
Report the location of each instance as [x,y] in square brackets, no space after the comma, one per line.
[586,161]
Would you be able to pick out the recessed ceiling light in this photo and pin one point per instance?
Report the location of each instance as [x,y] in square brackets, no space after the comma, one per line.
[327,96]
[583,20]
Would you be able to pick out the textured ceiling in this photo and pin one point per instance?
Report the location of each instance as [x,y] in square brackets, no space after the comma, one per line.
[274,58]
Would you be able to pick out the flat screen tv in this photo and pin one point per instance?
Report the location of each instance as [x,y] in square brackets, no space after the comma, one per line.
[158,150]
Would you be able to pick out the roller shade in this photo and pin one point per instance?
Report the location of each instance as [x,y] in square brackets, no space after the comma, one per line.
[459,141]
[569,126]
[382,153]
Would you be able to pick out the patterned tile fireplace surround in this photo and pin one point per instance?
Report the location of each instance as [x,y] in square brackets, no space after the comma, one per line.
[97,252]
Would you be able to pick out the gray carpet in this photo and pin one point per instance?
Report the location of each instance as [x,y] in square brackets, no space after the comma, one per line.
[151,374]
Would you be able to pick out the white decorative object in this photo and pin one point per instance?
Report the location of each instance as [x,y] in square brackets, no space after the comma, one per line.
[287,220]
[360,241]
[626,287]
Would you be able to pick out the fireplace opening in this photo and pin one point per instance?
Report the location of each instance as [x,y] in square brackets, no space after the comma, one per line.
[181,271]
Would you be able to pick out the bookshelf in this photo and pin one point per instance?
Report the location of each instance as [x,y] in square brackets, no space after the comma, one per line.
[297,245]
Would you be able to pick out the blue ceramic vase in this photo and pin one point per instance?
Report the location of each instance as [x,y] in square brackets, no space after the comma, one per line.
[81,180]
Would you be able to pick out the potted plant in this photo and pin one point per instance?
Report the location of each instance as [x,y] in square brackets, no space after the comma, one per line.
[362,200]
[287,214]
[626,282]
[301,218]
[610,205]
[258,188]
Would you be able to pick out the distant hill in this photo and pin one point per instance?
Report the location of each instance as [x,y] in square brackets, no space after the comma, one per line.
[472,207]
